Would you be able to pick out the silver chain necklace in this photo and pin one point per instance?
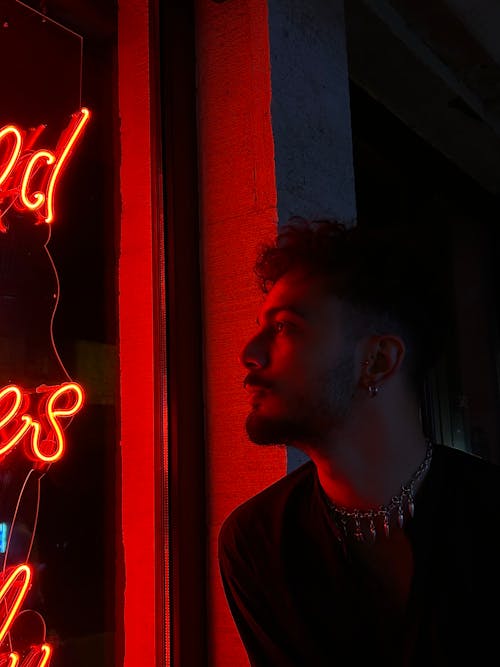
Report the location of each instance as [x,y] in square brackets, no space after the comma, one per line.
[361,523]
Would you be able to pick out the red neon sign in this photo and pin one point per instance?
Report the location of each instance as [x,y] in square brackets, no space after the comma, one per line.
[28,178]
[14,589]
[47,445]
[47,437]
[16,583]
[38,656]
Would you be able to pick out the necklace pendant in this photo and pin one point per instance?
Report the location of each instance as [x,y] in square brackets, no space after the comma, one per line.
[395,510]
[373,531]
[411,507]
[358,533]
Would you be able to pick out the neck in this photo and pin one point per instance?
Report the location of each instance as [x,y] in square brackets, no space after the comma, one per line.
[365,462]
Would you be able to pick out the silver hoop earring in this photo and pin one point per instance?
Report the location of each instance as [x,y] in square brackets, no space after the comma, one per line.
[372,390]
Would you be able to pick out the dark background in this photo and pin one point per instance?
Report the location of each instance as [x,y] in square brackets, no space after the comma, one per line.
[403,181]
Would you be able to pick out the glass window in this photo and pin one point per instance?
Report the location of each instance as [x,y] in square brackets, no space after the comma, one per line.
[57,341]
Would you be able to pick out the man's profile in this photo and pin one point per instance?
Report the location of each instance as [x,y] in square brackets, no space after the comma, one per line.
[382,547]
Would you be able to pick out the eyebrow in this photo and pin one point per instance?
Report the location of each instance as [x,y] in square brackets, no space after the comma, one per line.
[269,314]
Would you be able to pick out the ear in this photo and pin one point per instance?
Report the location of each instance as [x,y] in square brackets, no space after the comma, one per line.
[382,356]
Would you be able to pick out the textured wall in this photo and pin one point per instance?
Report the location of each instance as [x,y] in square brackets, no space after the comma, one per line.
[238,208]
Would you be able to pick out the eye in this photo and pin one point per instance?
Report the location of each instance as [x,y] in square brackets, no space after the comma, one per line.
[280,325]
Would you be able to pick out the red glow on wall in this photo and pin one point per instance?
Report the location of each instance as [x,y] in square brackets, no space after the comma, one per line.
[28,179]
[236,153]
[47,438]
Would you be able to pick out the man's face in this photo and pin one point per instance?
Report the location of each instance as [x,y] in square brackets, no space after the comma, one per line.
[301,365]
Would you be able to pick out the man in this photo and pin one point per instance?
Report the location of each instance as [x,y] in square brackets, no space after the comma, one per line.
[382,547]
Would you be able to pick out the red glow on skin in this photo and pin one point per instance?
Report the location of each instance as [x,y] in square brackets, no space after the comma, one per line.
[47,437]
[19,167]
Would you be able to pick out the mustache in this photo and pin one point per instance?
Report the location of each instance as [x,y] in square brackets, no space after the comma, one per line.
[253,380]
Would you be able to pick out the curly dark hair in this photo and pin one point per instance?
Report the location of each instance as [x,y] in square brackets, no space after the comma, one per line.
[391,281]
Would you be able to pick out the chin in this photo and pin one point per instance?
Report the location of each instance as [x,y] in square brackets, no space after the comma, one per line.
[268,431]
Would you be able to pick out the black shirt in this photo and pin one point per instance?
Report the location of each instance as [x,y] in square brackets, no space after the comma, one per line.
[303,597]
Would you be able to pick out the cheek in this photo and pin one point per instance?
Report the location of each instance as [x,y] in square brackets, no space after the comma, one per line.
[323,372]
[287,355]
[304,360]
[298,370]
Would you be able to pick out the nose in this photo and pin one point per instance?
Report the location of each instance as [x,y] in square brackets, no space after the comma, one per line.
[255,353]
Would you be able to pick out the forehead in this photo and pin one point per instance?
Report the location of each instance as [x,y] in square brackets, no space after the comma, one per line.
[305,292]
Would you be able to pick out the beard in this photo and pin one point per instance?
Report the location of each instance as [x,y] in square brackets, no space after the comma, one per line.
[310,415]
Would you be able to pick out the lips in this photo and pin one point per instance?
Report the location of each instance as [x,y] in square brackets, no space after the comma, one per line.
[253,384]
[256,390]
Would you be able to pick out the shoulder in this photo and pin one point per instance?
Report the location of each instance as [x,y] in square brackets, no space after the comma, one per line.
[261,518]
[474,479]
[456,462]
[464,509]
